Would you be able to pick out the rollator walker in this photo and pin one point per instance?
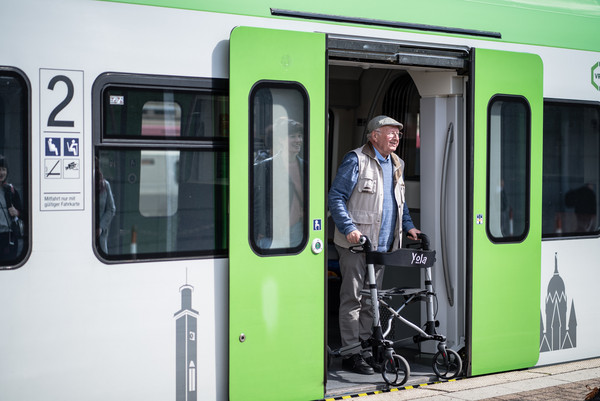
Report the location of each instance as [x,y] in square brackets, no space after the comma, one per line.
[395,370]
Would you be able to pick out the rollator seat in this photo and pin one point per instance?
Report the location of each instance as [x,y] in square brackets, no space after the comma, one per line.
[402,257]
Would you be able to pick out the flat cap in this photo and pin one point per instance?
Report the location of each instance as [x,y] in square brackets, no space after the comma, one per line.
[380,121]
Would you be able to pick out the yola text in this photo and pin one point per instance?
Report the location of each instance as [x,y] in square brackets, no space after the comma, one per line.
[418,259]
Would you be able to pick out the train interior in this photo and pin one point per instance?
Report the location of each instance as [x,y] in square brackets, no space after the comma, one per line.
[430,102]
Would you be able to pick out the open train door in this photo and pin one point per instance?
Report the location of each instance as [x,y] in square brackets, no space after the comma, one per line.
[277,211]
[506,211]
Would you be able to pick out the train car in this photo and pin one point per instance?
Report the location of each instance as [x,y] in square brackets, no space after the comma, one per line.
[159,249]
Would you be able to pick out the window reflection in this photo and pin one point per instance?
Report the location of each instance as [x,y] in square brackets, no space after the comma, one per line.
[159,186]
[508,169]
[131,112]
[278,174]
[173,211]
[161,119]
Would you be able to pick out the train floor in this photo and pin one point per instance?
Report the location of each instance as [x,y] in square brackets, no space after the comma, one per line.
[341,382]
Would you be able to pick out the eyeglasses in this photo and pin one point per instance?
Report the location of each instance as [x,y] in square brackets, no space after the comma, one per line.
[392,134]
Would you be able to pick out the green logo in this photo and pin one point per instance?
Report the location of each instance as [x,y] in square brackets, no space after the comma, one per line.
[596,75]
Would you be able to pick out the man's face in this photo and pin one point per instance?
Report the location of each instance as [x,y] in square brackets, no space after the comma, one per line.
[386,139]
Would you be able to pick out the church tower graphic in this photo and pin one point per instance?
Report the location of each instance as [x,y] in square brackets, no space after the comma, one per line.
[558,333]
[186,323]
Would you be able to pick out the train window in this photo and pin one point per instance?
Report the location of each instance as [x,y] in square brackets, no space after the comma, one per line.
[571,169]
[14,167]
[279,168]
[186,218]
[161,168]
[508,168]
[131,112]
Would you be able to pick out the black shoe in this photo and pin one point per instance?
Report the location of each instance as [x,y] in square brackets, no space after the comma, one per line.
[372,363]
[357,364]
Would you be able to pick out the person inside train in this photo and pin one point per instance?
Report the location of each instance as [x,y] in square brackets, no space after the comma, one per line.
[106,208]
[367,198]
[276,170]
[583,201]
[11,225]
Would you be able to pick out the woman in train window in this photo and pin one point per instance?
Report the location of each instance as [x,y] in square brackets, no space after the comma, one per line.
[10,226]
[278,191]
[106,208]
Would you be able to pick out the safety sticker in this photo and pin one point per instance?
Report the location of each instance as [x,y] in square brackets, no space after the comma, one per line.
[479,219]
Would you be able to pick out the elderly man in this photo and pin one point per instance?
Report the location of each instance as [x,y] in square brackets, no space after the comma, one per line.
[367,198]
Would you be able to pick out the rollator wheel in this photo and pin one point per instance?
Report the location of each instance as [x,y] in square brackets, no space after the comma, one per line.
[395,371]
[447,369]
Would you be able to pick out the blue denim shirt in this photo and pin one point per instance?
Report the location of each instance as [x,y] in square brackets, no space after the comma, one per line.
[390,206]
[341,190]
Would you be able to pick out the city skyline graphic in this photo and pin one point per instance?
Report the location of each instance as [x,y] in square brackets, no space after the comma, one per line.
[556,332]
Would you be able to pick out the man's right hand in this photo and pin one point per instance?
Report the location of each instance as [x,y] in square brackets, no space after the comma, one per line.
[353,237]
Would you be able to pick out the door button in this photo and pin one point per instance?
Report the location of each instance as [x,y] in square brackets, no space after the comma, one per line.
[317,246]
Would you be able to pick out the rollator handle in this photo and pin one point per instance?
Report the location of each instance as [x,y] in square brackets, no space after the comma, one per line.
[365,242]
[424,241]
[364,245]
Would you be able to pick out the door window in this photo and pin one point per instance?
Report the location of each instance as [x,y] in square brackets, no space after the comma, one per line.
[279,167]
[508,168]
